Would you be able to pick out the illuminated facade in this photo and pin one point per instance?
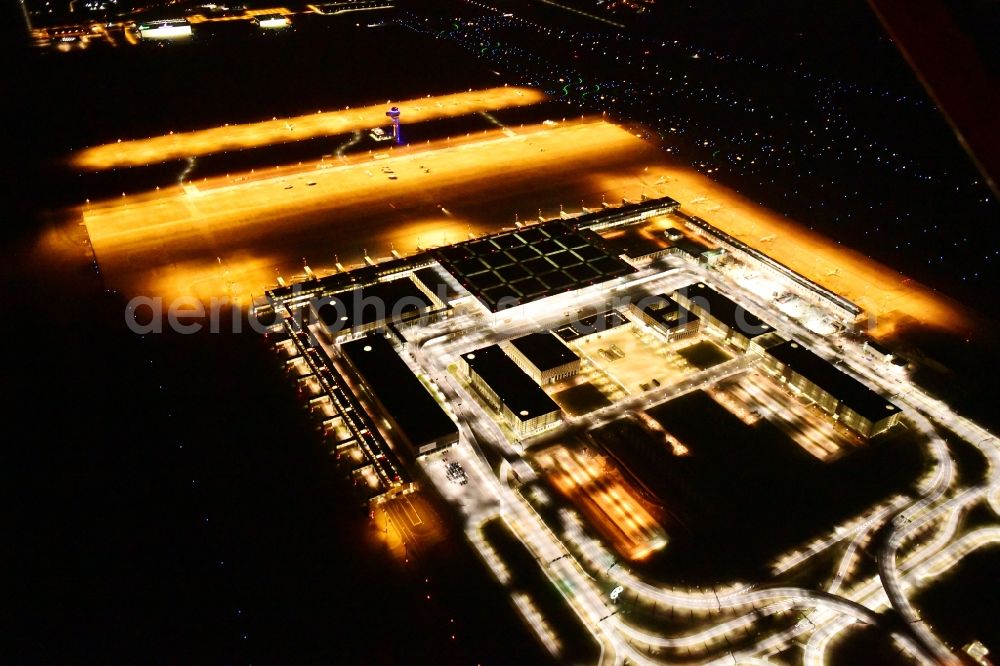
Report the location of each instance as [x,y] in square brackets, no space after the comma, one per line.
[841,396]
[524,406]
[724,318]
[665,316]
[167,29]
[543,356]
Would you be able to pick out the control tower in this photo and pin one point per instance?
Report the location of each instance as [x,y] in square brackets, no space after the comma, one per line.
[394,114]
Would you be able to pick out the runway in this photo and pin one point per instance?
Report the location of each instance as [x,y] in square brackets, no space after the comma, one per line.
[138,152]
[232,236]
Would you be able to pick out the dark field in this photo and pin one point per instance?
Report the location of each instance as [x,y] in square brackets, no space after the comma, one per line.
[578,646]
[703,354]
[963,605]
[744,495]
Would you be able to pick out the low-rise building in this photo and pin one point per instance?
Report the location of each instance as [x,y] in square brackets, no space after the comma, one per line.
[362,309]
[712,256]
[582,327]
[415,416]
[687,248]
[543,356]
[524,406]
[726,319]
[841,396]
[665,316]
[636,245]
[877,351]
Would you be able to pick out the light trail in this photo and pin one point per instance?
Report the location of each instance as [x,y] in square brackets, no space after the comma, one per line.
[574,10]
[188,168]
[27,18]
[355,139]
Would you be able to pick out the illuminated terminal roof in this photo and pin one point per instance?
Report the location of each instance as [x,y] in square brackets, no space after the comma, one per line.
[516,267]
[403,397]
[826,376]
[272,20]
[511,385]
[544,350]
[165,29]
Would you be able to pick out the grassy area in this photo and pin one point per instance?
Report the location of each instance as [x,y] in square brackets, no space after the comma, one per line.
[703,354]
[964,605]
[971,464]
[866,644]
[746,494]
[581,399]
[578,646]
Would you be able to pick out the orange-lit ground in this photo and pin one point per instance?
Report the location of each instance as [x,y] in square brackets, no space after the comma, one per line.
[233,236]
[137,152]
[643,359]
[245,16]
[407,525]
[598,489]
[887,295]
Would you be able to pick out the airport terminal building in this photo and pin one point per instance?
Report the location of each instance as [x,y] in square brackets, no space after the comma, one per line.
[361,309]
[514,268]
[841,396]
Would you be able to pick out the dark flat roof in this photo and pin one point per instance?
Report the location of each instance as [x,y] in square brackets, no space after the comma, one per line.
[689,246]
[436,280]
[627,210]
[877,346]
[666,311]
[355,277]
[595,323]
[845,388]
[631,242]
[513,386]
[364,305]
[544,350]
[403,396]
[517,267]
[729,313]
